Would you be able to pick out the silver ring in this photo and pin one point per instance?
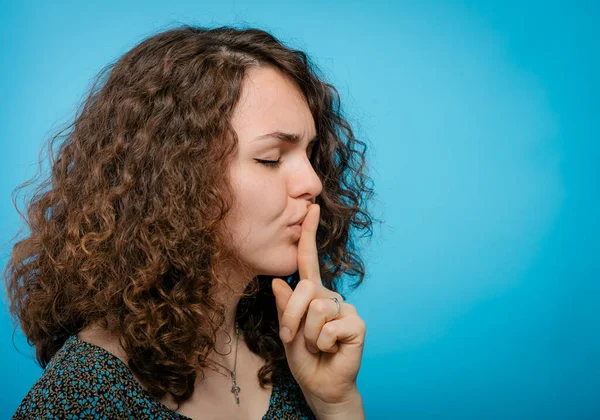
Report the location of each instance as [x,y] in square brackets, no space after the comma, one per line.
[338,306]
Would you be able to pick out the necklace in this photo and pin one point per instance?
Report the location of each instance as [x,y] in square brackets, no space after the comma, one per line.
[234,386]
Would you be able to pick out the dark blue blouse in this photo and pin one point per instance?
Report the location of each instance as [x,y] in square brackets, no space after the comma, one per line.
[84,380]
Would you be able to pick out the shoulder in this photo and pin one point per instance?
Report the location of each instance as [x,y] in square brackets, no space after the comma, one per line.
[83,381]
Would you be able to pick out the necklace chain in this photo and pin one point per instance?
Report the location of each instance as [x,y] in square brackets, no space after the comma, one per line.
[234,386]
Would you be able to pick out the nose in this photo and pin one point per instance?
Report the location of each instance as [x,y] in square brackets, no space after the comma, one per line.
[304,182]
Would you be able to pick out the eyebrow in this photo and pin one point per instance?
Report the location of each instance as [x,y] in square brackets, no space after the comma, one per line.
[291,138]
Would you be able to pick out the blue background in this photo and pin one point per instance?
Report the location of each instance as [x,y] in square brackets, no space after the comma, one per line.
[482,294]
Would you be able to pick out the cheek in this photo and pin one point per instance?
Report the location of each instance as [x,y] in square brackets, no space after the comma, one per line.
[263,198]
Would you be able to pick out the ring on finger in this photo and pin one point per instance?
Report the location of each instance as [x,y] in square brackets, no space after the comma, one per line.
[339,307]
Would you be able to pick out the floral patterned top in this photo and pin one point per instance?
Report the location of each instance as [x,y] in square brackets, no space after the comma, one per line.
[86,381]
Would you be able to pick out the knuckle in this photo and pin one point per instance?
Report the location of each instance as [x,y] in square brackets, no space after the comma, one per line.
[363,327]
[350,308]
[329,329]
[318,305]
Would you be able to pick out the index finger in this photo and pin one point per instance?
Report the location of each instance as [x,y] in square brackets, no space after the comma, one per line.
[308,257]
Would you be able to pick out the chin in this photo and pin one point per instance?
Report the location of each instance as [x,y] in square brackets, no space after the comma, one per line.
[277,261]
[280,270]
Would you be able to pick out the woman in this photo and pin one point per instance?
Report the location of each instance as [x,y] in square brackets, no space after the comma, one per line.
[193,238]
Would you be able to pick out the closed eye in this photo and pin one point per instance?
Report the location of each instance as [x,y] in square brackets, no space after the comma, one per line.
[276,163]
[269,163]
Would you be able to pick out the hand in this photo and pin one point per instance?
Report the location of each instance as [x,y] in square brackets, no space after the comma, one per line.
[327,376]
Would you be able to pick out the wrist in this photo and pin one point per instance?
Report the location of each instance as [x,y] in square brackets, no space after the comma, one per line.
[351,408]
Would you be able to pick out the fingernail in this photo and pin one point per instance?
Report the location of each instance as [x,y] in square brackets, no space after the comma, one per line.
[285,334]
[312,349]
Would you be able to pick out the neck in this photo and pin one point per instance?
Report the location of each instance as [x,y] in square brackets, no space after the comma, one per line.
[226,337]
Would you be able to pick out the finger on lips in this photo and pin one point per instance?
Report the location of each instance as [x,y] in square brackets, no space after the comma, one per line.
[308,257]
[308,269]
[310,298]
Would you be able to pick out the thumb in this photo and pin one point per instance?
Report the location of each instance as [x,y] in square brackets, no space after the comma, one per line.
[282,292]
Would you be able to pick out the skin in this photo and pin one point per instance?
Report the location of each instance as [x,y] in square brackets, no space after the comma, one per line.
[268,199]
[323,348]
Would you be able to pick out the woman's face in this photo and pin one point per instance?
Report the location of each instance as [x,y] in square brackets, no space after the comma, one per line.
[270,198]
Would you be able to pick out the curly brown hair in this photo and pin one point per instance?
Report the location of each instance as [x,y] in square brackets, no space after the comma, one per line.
[124,231]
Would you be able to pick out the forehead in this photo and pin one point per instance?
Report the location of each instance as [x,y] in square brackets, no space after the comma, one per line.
[270,101]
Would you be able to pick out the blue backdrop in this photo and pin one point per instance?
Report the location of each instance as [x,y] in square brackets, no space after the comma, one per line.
[482,294]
